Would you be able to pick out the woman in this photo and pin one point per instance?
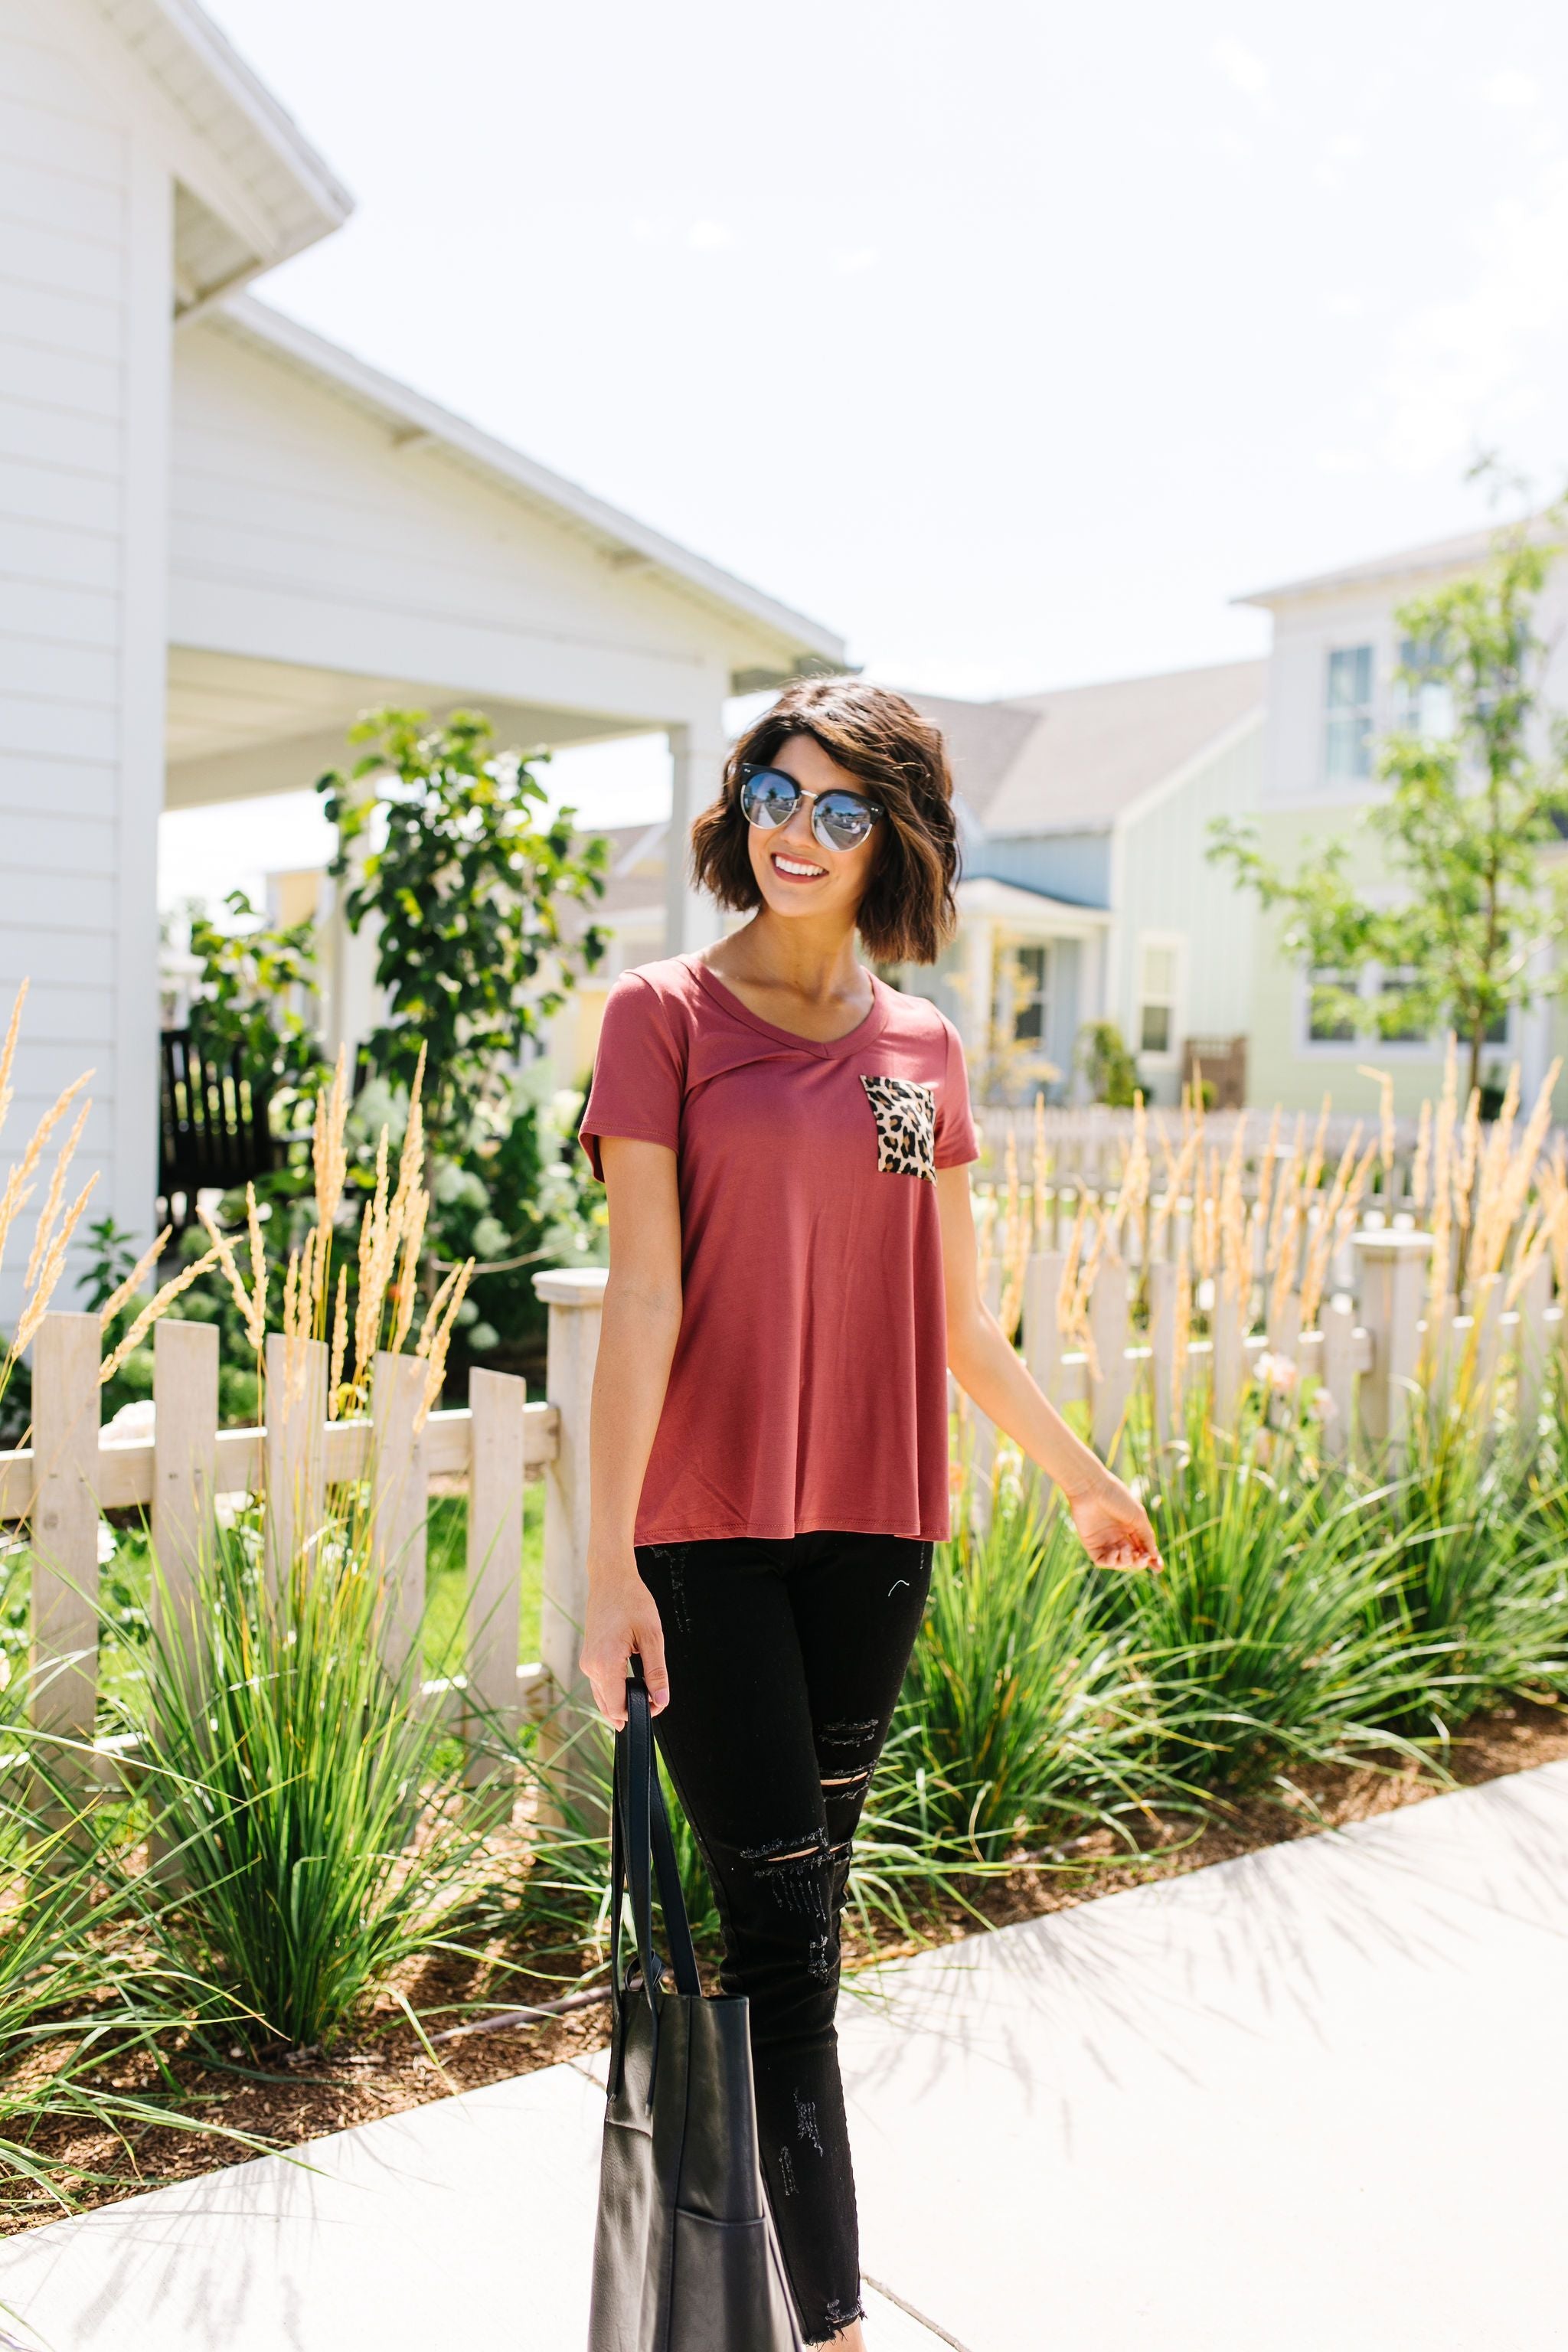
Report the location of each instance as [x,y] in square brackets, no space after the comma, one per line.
[784,1139]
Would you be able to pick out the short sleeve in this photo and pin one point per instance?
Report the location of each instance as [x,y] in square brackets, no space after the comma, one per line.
[638,1078]
[957,1141]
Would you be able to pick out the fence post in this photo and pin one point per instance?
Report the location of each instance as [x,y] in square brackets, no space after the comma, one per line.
[399,1503]
[1109,1326]
[1390,1267]
[185,1467]
[983,1429]
[575,1297]
[1162,1279]
[1227,1325]
[1534,1299]
[1337,1323]
[294,1450]
[496,1401]
[65,1538]
[1042,1335]
[1486,1311]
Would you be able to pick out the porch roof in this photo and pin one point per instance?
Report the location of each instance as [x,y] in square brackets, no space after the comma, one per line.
[794,642]
[982,898]
[251,189]
[338,542]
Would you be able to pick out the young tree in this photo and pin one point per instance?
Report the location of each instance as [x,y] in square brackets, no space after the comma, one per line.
[464,888]
[1472,803]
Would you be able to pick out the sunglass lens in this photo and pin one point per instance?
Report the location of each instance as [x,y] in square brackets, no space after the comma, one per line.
[769,798]
[842,819]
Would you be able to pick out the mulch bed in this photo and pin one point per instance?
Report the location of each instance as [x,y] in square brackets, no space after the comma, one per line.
[384,2070]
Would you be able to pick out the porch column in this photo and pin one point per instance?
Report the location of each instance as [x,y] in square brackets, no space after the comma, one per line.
[697,752]
[979,986]
[348,964]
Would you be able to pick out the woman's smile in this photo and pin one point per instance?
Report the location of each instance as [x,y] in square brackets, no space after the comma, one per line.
[795,869]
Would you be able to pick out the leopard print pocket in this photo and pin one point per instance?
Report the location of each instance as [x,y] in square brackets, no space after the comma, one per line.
[905,1112]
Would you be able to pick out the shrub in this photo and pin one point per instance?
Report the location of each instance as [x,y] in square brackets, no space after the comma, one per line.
[1023,1715]
[1481,1543]
[301,1791]
[1268,1634]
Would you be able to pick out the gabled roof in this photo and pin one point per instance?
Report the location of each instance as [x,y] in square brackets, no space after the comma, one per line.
[796,643]
[1077,759]
[252,189]
[1434,557]
[982,739]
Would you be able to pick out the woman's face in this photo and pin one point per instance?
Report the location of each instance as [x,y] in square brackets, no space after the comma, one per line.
[795,875]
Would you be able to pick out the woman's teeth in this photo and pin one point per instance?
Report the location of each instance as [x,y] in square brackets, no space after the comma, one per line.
[795,866]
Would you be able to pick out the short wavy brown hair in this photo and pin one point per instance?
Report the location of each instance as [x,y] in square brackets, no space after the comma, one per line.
[908,912]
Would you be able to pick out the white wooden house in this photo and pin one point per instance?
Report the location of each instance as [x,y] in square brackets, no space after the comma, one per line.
[221,537]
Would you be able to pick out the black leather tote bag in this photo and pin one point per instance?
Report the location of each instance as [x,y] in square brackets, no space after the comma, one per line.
[685,2257]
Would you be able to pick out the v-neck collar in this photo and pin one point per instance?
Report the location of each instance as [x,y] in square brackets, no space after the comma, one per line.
[822,1048]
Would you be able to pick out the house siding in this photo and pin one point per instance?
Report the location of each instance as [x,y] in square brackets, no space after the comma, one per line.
[302,531]
[1071,866]
[64,204]
[1170,888]
[1279,1069]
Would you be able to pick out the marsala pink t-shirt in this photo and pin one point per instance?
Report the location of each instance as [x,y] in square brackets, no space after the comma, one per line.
[809,1388]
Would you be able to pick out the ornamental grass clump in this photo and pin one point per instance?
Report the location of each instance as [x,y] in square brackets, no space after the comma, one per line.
[78,1997]
[1269,1634]
[56,1222]
[306,1803]
[84,2001]
[1023,1717]
[1478,1539]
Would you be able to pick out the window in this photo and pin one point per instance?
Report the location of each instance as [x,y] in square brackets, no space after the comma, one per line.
[1032,994]
[1347,741]
[1158,979]
[1424,707]
[1328,1021]
[1340,1007]
[1396,984]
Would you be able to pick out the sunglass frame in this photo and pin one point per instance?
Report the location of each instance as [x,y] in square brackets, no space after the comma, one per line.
[750,769]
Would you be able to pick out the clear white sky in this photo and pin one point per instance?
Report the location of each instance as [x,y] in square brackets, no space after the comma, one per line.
[1013,341]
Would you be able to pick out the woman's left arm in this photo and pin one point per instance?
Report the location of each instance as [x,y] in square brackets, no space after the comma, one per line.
[1112,1523]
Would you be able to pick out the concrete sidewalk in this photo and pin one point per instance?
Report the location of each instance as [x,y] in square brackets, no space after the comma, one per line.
[1310,2101]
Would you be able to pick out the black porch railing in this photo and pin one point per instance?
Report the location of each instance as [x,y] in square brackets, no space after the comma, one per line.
[214,1128]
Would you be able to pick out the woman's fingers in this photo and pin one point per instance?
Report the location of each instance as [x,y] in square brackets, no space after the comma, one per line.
[622,1632]
[647,1640]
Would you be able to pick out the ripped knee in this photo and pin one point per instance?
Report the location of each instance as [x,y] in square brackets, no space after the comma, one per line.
[794,1872]
[846,1752]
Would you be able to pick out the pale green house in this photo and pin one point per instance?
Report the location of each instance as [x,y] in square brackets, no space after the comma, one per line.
[1332,691]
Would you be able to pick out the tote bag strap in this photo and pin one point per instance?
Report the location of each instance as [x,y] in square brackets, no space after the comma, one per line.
[640,1833]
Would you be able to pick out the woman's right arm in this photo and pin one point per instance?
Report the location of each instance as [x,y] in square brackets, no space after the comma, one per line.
[640,1324]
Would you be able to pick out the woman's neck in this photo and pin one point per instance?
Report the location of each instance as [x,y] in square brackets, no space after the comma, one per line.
[779,974]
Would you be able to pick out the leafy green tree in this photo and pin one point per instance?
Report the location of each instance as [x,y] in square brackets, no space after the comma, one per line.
[439,843]
[1470,807]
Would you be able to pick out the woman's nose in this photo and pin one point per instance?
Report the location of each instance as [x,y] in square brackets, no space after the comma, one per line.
[798,829]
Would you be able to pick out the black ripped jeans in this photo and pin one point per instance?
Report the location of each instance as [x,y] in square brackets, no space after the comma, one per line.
[785,1658]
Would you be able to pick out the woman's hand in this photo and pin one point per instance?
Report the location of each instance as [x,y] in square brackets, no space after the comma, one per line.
[623,1617]
[1114,1524]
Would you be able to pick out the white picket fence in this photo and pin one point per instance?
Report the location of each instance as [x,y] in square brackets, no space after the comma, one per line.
[1365,1356]
[74,1471]
[1369,1349]
[1087,1148]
